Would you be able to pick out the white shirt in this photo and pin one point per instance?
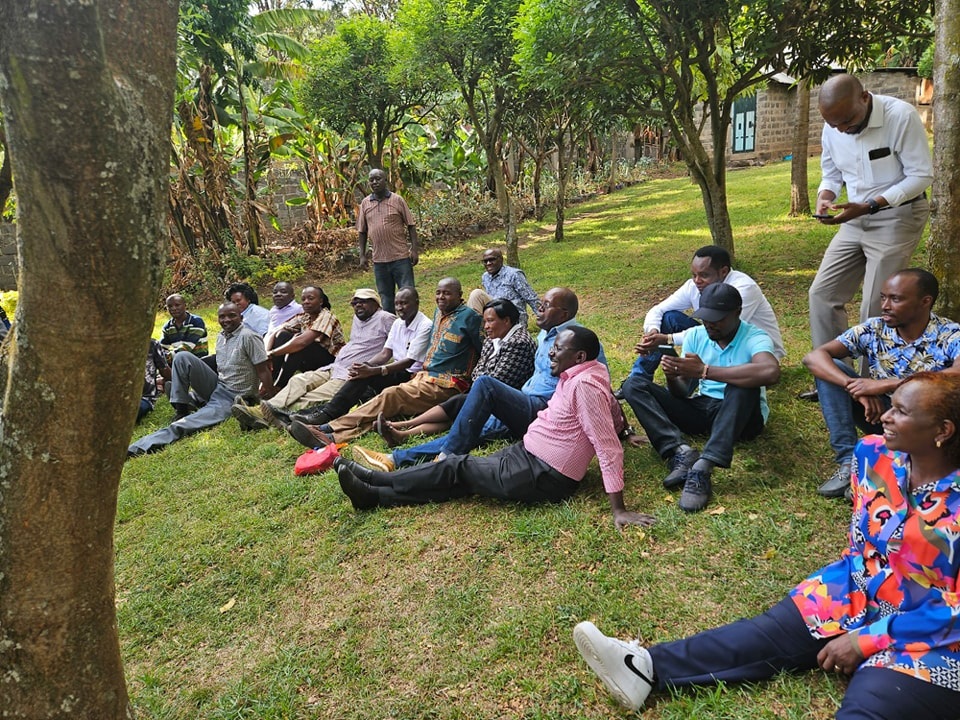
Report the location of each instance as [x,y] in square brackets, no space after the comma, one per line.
[900,169]
[367,338]
[410,341]
[756,308]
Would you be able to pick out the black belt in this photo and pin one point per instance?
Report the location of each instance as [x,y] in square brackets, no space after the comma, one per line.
[921,196]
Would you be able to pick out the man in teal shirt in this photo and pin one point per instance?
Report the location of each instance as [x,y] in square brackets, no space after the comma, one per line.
[726,364]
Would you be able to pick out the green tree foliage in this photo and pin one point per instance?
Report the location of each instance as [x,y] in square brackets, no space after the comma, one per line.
[473,40]
[365,75]
[690,60]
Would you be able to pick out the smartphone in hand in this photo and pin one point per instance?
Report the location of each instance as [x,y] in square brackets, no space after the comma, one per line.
[667,350]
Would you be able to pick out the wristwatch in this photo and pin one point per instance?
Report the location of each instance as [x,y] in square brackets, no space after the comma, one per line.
[874,206]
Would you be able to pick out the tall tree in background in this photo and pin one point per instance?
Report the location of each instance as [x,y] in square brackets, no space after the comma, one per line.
[474,40]
[944,244]
[694,59]
[367,74]
[91,189]
[799,194]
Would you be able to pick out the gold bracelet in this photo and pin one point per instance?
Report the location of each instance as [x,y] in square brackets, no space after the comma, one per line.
[703,375]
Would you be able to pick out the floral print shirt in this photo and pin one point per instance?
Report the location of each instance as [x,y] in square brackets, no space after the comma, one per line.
[889,356]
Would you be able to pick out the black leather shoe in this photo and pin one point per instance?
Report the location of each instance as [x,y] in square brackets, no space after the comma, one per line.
[837,484]
[362,496]
[311,417]
[680,464]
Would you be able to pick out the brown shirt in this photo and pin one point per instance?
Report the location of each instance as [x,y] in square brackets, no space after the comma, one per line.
[385,222]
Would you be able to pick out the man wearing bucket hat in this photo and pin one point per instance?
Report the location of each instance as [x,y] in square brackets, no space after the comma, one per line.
[368,333]
[716,388]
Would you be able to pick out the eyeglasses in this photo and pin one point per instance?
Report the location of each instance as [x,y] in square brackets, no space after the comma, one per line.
[358,301]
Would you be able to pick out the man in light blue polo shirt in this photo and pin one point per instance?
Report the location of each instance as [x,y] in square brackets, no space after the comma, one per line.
[726,364]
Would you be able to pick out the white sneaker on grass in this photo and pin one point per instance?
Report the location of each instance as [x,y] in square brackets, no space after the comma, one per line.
[625,668]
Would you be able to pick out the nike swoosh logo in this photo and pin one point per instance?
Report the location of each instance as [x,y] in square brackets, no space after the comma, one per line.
[628,661]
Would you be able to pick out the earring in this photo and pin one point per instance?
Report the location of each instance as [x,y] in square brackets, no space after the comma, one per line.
[938,443]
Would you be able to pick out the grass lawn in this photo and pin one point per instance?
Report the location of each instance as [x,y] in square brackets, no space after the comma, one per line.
[246,592]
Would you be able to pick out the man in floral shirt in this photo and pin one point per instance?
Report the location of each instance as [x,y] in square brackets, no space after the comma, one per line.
[905,339]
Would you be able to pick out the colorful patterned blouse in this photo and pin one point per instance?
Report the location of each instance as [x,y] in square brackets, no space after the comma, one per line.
[896,583]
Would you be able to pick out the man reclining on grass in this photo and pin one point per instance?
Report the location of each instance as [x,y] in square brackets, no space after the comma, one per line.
[581,420]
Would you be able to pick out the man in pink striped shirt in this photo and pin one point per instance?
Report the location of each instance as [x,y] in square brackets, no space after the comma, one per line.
[582,420]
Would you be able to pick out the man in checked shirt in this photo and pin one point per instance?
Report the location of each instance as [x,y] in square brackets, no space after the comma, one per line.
[581,420]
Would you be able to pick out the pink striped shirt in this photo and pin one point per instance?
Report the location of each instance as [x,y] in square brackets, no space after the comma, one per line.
[581,420]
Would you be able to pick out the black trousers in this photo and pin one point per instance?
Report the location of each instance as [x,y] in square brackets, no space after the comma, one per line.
[511,474]
[355,391]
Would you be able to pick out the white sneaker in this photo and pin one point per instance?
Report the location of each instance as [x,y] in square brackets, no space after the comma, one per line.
[624,667]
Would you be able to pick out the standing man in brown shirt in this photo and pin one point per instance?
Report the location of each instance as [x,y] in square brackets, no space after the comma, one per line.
[386,219]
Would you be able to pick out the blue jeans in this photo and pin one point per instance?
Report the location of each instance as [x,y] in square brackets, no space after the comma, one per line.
[673,321]
[492,410]
[844,415]
[390,276]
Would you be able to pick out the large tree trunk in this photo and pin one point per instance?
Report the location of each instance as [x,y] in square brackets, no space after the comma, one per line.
[92,197]
[943,247]
[799,195]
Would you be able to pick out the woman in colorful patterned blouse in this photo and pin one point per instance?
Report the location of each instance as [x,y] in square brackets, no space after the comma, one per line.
[309,341]
[507,355]
[887,613]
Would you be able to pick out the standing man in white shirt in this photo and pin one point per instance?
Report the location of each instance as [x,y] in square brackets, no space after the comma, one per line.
[667,322]
[876,146]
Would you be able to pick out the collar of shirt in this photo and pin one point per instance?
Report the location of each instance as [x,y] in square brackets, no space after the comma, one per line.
[374,197]
[580,368]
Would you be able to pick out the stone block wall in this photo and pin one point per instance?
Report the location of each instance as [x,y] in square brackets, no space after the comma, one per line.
[776,115]
[285,185]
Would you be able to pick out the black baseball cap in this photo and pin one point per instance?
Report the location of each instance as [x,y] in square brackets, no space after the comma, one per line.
[717,301]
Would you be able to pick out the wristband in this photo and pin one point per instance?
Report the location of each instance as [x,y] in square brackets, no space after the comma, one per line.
[383,369]
[706,369]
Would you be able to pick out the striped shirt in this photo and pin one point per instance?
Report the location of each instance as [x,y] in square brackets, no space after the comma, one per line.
[386,221]
[582,420]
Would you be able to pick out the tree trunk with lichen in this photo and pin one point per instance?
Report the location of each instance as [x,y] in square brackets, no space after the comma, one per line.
[92,201]
[943,248]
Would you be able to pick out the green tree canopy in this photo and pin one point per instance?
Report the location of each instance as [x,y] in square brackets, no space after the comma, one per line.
[364,74]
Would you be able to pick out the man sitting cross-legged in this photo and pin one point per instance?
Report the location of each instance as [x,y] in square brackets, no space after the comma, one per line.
[492,408]
[369,331]
[242,364]
[580,421]
[455,344]
[905,339]
[729,362]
